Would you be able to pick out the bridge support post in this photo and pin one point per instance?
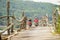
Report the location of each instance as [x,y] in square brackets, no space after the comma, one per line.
[8,20]
[23,23]
[12,29]
[54,20]
[25,18]
[12,26]
[0,37]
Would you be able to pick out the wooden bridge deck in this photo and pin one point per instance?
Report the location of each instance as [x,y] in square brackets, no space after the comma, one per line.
[37,33]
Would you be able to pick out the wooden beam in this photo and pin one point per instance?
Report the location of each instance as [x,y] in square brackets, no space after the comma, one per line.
[7,28]
[8,19]
[5,16]
[0,37]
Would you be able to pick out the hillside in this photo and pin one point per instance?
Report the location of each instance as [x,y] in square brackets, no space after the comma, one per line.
[31,9]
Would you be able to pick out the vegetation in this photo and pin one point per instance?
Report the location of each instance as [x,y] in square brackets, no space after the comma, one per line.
[1,28]
[31,9]
[58,24]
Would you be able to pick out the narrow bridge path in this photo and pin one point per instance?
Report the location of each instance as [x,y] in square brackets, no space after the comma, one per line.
[37,33]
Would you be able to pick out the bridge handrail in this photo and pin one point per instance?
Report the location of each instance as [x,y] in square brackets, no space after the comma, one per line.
[13,18]
[18,20]
[10,26]
[7,28]
[5,16]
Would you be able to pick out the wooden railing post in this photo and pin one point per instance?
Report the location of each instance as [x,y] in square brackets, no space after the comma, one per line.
[54,20]
[0,37]
[8,20]
[24,22]
[12,29]
[12,26]
[13,17]
[20,26]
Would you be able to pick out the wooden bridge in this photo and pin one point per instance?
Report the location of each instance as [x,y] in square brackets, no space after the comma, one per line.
[34,33]
[10,26]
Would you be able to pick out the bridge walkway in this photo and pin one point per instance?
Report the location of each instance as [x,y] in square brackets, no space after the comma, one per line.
[37,33]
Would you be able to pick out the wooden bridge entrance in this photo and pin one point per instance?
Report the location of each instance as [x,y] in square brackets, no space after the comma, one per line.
[37,33]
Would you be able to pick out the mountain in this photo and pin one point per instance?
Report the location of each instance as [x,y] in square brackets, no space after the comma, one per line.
[31,9]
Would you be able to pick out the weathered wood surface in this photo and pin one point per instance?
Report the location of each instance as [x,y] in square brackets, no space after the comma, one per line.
[10,26]
[7,28]
[37,33]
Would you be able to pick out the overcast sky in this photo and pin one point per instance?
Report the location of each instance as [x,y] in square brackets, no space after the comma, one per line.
[50,1]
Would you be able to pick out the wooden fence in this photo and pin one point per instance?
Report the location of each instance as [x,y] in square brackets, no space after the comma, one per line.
[10,28]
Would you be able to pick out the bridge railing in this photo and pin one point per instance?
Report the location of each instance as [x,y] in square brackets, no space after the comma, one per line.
[10,28]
